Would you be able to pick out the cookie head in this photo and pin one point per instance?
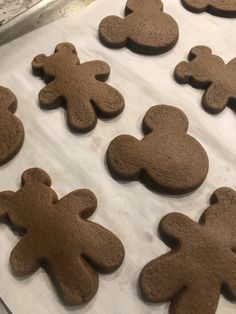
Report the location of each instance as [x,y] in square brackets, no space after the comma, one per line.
[167,158]
[145,29]
[47,67]
[34,192]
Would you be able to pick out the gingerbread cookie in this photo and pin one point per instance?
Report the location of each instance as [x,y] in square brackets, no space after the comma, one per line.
[207,71]
[11,128]
[202,262]
[167,157]
[80,87]
[215,7]
[145,29]
[58,236]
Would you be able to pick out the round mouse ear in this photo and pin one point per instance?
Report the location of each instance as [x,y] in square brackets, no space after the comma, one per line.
[137,5]
[112,32]
[8,100]
[162,117]
[65,47]
[224,196]
[123,158]
[195,6]
[35,175]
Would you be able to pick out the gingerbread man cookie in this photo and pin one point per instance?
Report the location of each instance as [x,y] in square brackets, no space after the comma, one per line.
[216,7]
[58,236]
[207,71]
[202,262]
[11,129]
[167,157]
[79,87]
[146,28]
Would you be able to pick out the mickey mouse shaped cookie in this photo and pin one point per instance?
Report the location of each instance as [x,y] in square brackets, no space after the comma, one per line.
[167,157]
[225,8]
[11,128]
[207,71]
[58,236]
[202,262]
[79,87]
[146,28]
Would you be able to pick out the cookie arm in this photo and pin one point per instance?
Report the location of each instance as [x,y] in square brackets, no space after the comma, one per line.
[104,250]
[215,99]
[82,202]
[176,226]
[23,258]
[99,69]
[107,101]
[50,97]
[161,279]
[81,115]
[75,280]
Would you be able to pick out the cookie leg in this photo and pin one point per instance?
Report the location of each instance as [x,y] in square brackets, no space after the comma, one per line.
[23,258]
[81,115]
[215,99]
[98,69]
[197,300]
[105,250]
[160,280]
[75,280]
[107,101]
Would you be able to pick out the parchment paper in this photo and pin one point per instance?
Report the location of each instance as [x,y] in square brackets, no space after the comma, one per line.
[77,161]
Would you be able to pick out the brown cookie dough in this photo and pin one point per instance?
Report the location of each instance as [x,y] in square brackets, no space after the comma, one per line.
[207,71]
[216,7]
[167,157]
[145,29]
[11,129]
[202,262]
[58,237]
[79,87]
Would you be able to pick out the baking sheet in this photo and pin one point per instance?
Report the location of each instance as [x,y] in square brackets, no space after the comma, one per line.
[12,8]
[77,161]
